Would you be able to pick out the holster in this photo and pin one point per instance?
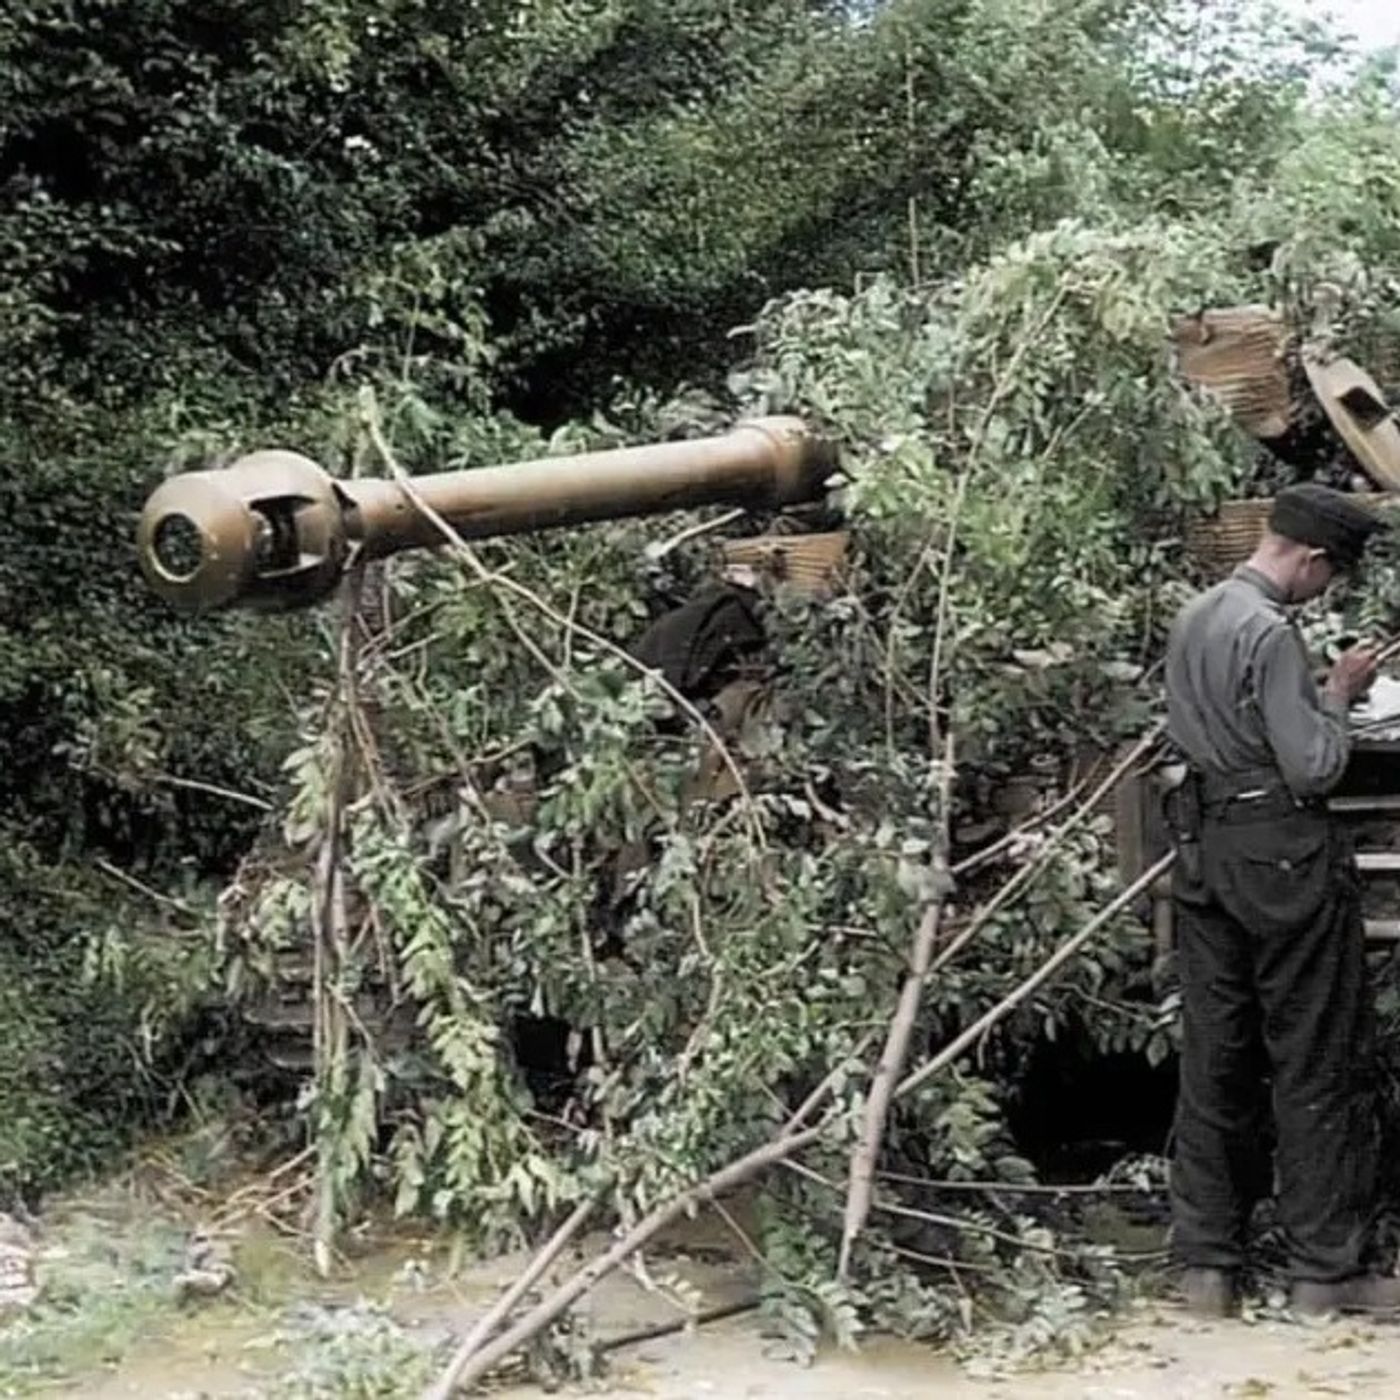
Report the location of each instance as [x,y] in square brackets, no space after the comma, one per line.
[1183,809]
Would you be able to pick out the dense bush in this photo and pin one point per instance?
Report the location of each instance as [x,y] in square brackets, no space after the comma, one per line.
[1020,458]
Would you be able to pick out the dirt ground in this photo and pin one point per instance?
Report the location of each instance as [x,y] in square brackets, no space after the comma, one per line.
[126,1337]
[1163,1356]
[1156,1352]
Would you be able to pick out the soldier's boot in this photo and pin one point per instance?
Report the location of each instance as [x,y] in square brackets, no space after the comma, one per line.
[1210,1292]
[1364,1293]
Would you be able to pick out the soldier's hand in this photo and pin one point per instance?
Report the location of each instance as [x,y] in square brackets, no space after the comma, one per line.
[1352,673]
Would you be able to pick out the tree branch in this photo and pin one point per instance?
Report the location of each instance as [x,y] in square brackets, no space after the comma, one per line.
[1062,955]
[866,1153]
[782,1148]
[1031,869]
[492,1318]
[564,1296]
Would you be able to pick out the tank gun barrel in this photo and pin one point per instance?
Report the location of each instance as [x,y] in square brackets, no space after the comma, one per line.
[274,530]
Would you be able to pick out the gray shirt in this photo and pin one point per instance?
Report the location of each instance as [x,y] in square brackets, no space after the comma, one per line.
[1240,695]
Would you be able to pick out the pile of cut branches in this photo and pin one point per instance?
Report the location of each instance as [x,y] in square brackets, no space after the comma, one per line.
[632,994]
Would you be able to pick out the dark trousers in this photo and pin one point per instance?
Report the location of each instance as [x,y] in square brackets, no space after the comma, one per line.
[1273,978]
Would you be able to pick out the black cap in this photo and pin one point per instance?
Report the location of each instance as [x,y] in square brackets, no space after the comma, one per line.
[1325,519]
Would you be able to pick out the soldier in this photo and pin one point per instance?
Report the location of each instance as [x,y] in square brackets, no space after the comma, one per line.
[1269,927]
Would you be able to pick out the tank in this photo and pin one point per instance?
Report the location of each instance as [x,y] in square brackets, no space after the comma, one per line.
[274,531]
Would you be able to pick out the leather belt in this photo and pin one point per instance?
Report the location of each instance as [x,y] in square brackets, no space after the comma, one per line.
[1249,794]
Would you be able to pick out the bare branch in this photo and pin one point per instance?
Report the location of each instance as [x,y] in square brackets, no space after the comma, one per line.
[196,785]
[866,1153]
[693,532]
[1057,960]
[557,1302]
[492,1318]
[1029,871]
[680,1324]
[107,868]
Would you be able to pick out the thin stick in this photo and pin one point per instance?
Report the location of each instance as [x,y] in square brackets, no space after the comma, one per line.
[980,858]
[809,1105]
[959,1223]
[1024,1188]
[491,1319]
[195,785]
[941,1262]
[947,528]
[1047,969]
[567,1293]
[264,1182]
[107,868]
[1032,868]
[692,532]
[328,917]
[912,132]
[742,1235]
[680,1324]
[262,1205]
